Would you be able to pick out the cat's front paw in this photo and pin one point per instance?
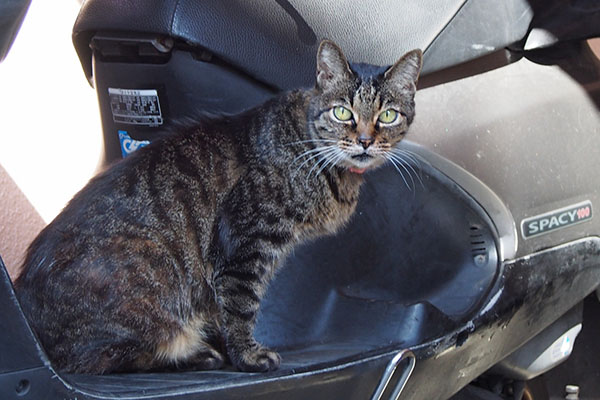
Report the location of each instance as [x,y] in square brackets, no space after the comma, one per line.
[256,359]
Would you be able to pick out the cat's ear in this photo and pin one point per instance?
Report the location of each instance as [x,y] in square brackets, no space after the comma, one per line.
[405,72]
[332,66]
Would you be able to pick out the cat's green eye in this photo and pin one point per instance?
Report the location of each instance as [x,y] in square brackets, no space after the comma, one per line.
[388,116]
[342,113]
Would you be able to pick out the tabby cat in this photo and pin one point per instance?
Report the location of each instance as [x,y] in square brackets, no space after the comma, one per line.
[162,260]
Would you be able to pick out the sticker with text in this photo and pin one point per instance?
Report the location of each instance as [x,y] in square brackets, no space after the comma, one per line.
[135,106]
[556,219]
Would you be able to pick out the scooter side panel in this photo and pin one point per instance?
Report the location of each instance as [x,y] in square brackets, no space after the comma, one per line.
[529,133]
[531,293]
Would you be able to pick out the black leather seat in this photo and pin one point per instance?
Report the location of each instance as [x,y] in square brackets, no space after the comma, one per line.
[275,41]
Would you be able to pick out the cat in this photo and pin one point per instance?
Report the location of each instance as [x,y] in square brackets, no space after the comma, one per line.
[162,260]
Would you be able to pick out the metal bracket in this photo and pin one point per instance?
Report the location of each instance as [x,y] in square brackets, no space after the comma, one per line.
[132,45]
[389,372]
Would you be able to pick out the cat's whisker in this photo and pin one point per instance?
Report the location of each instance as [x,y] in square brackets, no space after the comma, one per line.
[401,174]
[328,159]
[325,156]
[320,155]
[318,141]
[408,168]
[417,173]
[407,154]
[410,156]
[340,156]
[406,165]
[307,152]
[317,152]
[337,156]
[414,157]
[395,163]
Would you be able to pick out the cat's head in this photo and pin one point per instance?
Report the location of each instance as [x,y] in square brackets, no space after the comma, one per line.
[360,112]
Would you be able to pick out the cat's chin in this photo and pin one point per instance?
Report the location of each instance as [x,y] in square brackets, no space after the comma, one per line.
[362,167]
[357,170]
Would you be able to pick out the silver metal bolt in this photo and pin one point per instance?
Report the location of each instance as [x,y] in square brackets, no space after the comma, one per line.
[572,392]
[480,260]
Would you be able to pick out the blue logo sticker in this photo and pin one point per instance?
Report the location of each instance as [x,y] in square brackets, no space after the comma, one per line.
[129,145]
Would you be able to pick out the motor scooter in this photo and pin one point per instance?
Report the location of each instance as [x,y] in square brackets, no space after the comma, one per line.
[463,272]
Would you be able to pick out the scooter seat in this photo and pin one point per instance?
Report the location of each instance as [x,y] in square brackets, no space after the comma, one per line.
[275,41]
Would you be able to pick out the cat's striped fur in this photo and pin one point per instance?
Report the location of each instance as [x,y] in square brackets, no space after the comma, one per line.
[162,260]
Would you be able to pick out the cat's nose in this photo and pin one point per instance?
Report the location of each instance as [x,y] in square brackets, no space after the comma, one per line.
[365,141]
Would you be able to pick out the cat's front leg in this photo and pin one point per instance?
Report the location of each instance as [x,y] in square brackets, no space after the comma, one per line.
[239,286]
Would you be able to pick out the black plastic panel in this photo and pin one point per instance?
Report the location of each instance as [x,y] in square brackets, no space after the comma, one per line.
[421,255]
[12,13]
[186,86]
[18,347]
[561,21]
[479,28]
[531,293]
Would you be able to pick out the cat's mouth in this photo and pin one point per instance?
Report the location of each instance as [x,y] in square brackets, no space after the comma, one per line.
[362,157]
[361,162]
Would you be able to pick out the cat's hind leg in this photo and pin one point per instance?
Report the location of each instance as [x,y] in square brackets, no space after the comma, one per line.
[97,356]
[207,358]
[190,348]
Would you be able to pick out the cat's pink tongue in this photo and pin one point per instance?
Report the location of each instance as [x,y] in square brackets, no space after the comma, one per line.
[357,170]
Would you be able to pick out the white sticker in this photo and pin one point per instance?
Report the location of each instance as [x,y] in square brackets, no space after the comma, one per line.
[135,106]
